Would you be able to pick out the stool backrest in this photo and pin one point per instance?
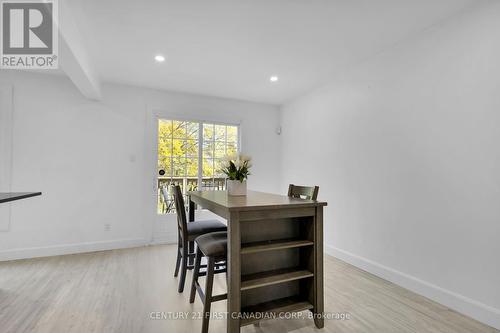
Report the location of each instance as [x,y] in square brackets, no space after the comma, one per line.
[304,192]
[180,209]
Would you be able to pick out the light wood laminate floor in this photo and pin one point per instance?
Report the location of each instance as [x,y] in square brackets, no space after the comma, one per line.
[116,291]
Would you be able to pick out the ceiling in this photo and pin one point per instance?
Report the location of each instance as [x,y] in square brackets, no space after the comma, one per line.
[230,48]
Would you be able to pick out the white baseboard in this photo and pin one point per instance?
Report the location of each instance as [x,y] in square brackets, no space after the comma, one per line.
[164,237]
[35,252]
[474,309]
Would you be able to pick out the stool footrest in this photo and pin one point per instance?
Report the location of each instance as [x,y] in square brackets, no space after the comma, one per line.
[220,297]
[215,298]
[217,271]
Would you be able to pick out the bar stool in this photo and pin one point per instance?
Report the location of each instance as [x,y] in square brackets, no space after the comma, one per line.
[187,233]
[214,247]
[304,192]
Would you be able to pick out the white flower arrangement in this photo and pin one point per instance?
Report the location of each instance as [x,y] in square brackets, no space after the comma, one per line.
[236,167]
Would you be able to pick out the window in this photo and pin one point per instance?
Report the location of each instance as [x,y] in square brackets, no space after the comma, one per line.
[190,154]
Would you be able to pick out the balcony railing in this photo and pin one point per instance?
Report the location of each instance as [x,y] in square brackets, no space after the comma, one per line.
[187,184]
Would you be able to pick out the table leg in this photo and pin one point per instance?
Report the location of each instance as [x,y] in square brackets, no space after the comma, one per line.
[234,274]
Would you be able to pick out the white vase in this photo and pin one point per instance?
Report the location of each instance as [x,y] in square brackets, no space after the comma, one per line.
[235,187]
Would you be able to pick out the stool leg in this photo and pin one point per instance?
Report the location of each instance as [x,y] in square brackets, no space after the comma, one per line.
[196,272]
[208,294]
[182,280]
[191,250]
[177,261]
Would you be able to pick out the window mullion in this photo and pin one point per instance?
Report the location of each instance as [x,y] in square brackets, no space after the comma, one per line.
[172,152]
[200,155]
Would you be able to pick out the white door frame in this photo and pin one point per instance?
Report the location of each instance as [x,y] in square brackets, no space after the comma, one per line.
[163,228]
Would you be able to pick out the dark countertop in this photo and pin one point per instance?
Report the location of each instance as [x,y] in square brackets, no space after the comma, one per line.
[12,196]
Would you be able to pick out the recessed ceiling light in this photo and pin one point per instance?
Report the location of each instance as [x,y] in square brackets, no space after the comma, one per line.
[159,58]
[273,78]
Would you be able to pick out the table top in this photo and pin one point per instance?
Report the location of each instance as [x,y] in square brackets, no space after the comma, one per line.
[12,196]
[253,200]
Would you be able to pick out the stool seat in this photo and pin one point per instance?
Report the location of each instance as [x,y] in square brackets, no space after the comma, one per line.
[213,244]
[198,228]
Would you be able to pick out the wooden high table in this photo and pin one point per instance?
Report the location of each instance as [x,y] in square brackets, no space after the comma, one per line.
[275,254]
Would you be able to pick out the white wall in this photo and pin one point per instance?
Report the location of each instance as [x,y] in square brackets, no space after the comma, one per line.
[5,151]
[93,163]
[405,149]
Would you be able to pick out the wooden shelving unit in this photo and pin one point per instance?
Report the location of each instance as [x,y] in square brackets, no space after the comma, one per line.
[277,259]
[275,307]
[273,245]
[273,277]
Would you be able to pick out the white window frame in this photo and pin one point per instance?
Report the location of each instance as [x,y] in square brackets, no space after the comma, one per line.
[162,228]
[158,117]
